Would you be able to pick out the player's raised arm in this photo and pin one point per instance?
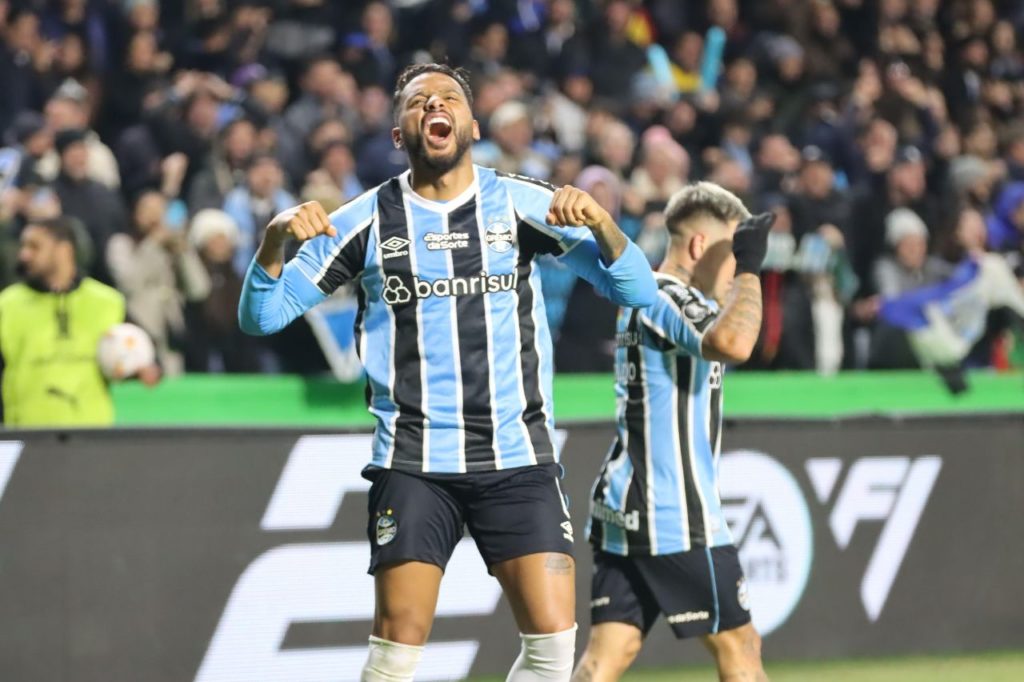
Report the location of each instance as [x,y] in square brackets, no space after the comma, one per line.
[615,266]
[732,336]
[275,293]
[570,224]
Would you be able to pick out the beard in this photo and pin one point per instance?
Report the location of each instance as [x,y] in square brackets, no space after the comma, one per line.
[33,279]
[440,163]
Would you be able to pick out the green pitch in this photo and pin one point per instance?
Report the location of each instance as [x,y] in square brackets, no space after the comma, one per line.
[987,667]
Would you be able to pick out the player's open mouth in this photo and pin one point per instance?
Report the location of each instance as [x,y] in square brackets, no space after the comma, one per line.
[437,128]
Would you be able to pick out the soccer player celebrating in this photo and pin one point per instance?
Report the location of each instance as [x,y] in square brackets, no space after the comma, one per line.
[452,333]
[661,543]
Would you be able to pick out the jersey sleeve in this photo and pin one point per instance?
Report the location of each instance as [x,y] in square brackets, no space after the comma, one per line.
[531,199]
[627,282]
[680,316]
[322,264]
[330,262]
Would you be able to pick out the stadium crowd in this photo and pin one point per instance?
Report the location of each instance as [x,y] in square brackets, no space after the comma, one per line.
[887,136]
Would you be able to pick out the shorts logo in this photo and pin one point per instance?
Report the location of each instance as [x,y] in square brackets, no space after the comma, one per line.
[387,528]
[600,601]
[688,617]
[567,530]
[499,236]
[395,292]
[446,241]
[395,247]
[742,594]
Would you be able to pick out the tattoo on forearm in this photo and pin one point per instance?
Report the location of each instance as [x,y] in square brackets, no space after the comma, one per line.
[558,564]
[741,314]
[612,242]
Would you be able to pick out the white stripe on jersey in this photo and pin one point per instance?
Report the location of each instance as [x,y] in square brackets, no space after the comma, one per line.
[485,256]
[684,513]
[456,357]
[519,344]
[690,398]
[545,406]
[652,531]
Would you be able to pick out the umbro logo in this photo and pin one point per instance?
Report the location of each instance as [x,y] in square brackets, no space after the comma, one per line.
[395,247]
[395,243]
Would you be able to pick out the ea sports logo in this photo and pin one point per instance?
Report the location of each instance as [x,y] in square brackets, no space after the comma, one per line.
[395,292]
[499,237]
[771,526]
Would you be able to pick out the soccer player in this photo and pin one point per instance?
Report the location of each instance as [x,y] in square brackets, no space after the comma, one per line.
[452,333]
[661,543]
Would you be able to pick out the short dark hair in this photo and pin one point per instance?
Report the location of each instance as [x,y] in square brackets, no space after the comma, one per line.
[457,74]
[60,228]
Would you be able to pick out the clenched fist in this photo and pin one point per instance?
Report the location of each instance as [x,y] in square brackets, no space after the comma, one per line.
[302,222]
[573,207]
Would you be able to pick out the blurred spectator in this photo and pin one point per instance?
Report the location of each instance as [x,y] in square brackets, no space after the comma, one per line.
[29,141]
[903,186]
[20,51]
[252,205]
[367,54]
[899,104]
[336,170]
[586,342]
[1006,221]
[215,343]
[98,207]
[906,267]
[566,112]
[615,59]
[549,44]
[817,203]
[158,271]
[50,327]
[908,264]
[663,170]
[512,149]
[226,166]
[68,109]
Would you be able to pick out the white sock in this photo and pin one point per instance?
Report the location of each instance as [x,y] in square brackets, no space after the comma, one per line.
[390,661]
[545,657]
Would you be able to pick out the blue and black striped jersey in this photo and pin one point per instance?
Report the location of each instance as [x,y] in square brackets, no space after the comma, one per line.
[657,492]
[451,327]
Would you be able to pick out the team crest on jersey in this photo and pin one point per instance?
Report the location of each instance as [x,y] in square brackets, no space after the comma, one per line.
[499,235]
[387,527]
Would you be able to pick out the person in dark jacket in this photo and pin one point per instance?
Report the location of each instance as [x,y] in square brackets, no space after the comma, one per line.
[99,208]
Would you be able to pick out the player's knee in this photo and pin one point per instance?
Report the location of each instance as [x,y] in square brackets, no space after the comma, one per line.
[615,651]
[390,661]
[404,627]
[545,657]
[737,650]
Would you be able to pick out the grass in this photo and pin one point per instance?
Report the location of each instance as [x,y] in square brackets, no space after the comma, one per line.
[1007,666]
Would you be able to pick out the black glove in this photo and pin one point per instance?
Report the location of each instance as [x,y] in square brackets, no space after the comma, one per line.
[750,243]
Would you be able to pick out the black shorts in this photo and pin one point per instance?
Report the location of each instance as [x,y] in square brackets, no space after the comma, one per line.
[510,513]
[701,592]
